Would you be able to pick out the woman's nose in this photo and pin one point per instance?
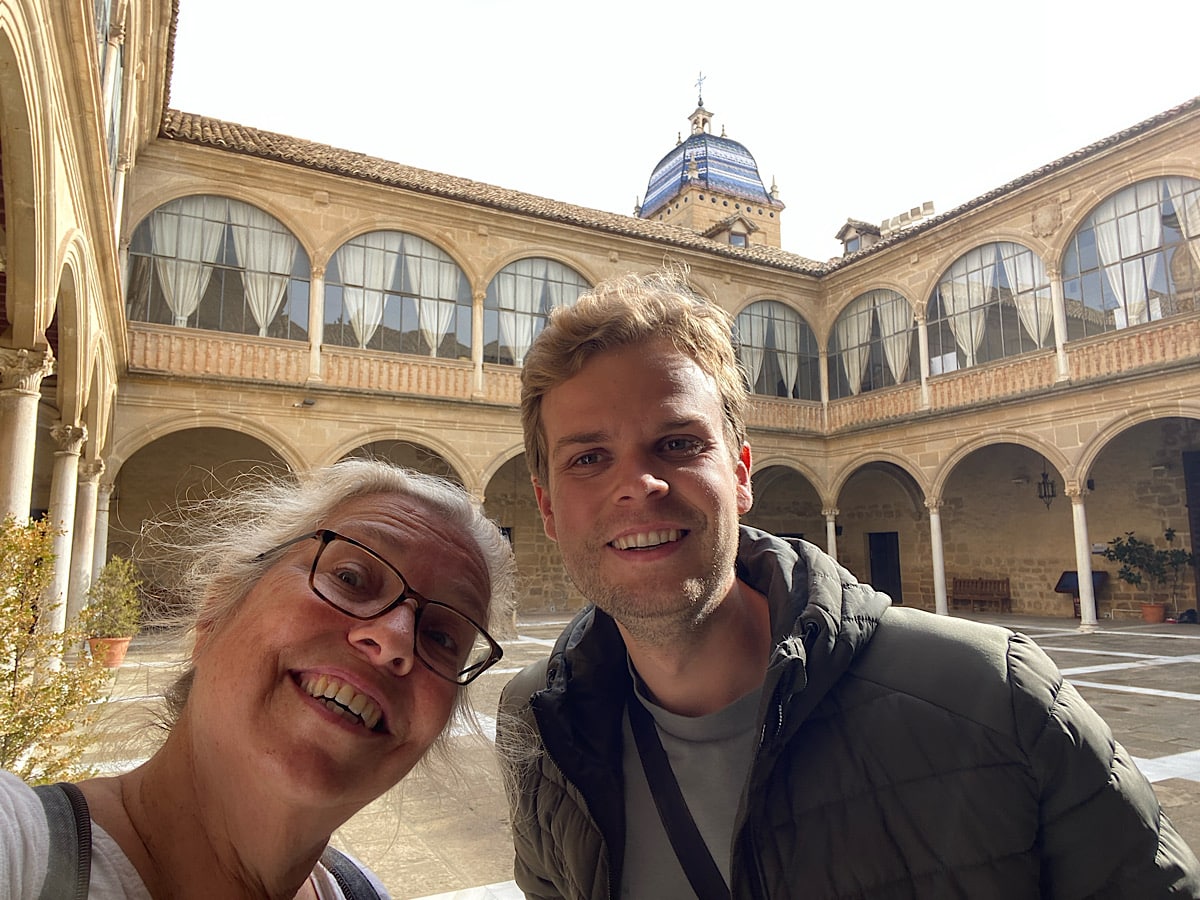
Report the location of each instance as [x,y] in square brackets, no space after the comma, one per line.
[390,640]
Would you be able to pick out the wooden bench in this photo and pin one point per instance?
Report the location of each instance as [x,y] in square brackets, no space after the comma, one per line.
[980,594]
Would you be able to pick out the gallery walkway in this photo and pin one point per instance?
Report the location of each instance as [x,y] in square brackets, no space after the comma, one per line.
[444,833]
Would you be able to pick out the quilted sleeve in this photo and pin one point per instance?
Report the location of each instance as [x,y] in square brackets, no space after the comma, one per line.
[1101,832]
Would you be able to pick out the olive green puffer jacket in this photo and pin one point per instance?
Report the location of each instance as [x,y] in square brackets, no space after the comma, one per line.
[902,755]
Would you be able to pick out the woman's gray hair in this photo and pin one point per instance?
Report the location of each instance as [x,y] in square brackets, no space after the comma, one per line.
[206,557]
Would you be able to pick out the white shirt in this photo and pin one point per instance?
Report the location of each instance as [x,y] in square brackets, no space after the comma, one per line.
[25,853]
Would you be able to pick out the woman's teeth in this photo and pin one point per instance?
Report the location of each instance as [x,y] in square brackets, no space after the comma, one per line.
[343,698]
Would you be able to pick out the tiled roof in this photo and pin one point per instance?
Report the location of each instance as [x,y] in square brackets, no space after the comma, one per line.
[1044,171]
[234,138]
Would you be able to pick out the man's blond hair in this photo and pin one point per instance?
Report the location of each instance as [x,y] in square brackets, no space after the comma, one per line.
[628,310]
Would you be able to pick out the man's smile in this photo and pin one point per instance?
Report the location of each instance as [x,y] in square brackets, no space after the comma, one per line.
[644,540]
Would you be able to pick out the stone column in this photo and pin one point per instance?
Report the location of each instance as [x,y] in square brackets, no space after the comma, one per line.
[477,299]
[823,357]
[100,551]
[316,321]
[1059,305]
[83,541]
[940,604]
[70,439]
[1083,559]
[923,346]
[21,374]
[116,37]
[831,515]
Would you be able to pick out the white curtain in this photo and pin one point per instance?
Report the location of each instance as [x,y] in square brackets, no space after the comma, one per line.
[895,318]
[1125,230]
[266,251]
[367,266]
[435,308]
[1185,197]
[185,237]
[964,297]
[1026,279]
[853,334]
[787,344]
[752,333]
[519,292]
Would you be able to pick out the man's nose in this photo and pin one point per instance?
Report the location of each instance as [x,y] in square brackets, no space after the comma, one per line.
[640,478]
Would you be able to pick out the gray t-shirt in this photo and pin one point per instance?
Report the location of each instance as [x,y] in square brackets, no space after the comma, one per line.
[710,756]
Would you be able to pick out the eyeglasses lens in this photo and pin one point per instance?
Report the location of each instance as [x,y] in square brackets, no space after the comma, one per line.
[363,585]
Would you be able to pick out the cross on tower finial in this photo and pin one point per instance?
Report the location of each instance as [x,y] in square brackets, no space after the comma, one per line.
[700,89]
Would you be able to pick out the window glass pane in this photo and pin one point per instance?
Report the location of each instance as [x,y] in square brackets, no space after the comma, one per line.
[1134,258]
[401,294]
[778,351]
[211,262]
[517,302]
[874,344]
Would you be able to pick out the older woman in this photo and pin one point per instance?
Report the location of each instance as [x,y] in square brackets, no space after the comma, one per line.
[337,623]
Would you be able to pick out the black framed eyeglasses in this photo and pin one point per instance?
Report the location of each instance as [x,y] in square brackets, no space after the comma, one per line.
[355,580]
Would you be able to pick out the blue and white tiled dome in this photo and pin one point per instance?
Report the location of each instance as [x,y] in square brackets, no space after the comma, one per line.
[705,160]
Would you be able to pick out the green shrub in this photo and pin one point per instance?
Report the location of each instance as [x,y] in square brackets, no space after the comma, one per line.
[113,608]
[1143,563]
[46,700]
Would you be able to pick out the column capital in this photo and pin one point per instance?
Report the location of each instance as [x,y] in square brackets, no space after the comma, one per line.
[91,469]
[69,438]
[479,296]
[920,315]
[831,512]
[934,503]
[316,272]
[23,369]
[1075,491]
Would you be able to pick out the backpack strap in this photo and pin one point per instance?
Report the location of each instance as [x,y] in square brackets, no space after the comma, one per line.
[69,871]
[350,878]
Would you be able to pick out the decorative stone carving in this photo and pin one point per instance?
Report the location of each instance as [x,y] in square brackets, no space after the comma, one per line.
[23,370]
[69,438]
[91,469]
[1046,219]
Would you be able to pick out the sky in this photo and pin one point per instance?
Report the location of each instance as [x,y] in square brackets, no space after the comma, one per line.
[856,110]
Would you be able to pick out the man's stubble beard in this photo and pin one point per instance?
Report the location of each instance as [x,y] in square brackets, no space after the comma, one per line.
[670,616]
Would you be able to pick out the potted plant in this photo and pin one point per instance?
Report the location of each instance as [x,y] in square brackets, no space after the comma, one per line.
[1161,569]
[113,611]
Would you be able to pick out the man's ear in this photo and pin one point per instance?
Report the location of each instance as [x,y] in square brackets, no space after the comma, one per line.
[543,501]
[745,491]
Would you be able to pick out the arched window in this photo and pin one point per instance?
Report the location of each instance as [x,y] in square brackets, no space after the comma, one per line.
[518,299]
[216,263]
[392,291]
[993,302]
[778,351]
[873,345]
[1135,259]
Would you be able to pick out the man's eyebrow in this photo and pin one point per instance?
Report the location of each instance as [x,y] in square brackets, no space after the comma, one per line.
[582,437]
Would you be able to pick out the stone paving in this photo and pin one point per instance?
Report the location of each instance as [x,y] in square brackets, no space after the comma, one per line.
[443,833]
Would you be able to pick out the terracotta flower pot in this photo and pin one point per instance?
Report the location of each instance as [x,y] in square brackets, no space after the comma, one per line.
[110,651]
[1154,613]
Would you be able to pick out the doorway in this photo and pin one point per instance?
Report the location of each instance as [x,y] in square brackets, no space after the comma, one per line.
[883,547]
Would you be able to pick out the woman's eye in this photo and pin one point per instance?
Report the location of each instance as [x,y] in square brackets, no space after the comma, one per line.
[355,579]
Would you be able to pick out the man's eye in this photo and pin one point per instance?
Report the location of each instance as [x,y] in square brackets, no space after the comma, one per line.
[586,459]
[681,446]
